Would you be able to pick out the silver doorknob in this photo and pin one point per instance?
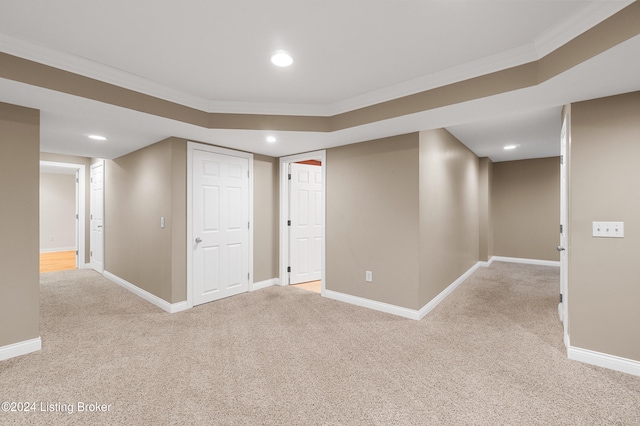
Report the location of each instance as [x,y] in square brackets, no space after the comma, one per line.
[198,240]
[560,248]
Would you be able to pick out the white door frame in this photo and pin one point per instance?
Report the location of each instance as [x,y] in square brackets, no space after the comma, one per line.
[565,147]
[284,211]
[191,146]
[91,242]
[81,206]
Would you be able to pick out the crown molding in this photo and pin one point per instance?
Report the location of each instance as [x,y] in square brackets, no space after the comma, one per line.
[88,68]
[503,60]
[237,107]
[588,17]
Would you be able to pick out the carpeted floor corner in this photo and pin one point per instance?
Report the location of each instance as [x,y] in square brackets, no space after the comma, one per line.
[490,353]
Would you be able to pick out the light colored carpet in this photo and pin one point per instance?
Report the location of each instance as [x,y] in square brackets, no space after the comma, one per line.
[490,354]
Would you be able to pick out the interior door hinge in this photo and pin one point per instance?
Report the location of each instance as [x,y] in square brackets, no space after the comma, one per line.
[289,176]
[288,223]
[560,297]
[288,268]
[561,228]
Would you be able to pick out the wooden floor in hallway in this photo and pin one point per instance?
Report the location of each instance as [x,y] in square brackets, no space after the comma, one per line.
[57,261]
[315,286]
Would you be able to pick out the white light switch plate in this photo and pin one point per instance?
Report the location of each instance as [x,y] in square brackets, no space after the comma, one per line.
[608,229]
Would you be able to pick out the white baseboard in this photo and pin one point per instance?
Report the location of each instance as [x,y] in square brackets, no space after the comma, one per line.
[151,298]
[419,314]
[611,362]
[371,304]
[21,348]
[57,249]
[264,284]
[444,293]
[522,260]
[399,310]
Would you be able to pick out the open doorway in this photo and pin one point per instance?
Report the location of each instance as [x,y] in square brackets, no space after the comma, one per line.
[62,198]
[302,218]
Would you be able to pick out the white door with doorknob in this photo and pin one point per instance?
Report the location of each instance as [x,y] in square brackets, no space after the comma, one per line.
[220,226]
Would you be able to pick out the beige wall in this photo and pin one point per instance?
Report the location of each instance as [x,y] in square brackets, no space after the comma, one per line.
[140,188]
[57,212]
[449,212]
[178,219]
[372,220]
[485,191]
[147,184]
[72,159]
[526,208]
[604,273]
[265,217]
[19,244]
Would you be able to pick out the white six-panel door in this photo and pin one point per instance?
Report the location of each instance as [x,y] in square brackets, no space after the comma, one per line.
[305,243]
[220,226]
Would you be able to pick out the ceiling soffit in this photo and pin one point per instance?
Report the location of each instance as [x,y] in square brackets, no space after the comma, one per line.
[607,34]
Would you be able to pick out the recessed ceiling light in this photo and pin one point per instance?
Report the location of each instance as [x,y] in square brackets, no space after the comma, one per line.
[511,147]
[97,137]
[271,139]
[281,59]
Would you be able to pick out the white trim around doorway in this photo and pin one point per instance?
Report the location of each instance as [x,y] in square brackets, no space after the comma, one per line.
[81,206]
[321,156]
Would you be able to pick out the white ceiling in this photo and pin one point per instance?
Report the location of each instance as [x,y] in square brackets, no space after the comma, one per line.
[214,55]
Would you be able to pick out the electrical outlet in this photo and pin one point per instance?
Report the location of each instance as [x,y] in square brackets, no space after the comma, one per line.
[368,276]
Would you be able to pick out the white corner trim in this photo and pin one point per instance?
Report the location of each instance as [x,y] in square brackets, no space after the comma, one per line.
[264,284]
[523,260]
[21,348]
[447,291]
[371,304]
[599,359]
[151,298]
